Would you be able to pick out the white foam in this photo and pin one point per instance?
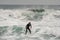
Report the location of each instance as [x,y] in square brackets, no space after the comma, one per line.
[48,25]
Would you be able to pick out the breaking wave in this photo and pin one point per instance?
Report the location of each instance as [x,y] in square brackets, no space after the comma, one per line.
[45,24]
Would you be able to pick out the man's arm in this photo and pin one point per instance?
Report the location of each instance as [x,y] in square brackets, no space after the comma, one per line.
[30,25]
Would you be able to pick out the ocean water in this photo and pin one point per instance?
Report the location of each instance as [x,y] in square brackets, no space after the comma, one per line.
[45,20]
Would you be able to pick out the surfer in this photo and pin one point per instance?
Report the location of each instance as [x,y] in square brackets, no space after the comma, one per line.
[28,26]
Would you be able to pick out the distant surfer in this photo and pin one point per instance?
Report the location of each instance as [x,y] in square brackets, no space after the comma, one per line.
[28,26]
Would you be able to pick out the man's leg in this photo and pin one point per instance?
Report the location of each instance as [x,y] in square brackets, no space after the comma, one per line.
[26,31]
[29,31]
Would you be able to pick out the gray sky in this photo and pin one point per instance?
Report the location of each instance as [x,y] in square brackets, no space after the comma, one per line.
[38,2]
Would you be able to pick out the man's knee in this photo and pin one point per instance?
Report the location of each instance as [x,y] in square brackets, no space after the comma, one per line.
[29,30]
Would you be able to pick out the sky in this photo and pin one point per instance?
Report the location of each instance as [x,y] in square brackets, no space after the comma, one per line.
[30,2]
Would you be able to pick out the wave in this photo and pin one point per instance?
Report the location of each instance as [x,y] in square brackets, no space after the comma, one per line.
[45,24]
[29,15]
[37,10]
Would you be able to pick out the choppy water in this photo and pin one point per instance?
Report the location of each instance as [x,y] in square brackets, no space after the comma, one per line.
[45,24]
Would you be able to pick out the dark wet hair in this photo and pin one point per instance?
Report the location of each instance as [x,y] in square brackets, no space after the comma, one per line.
[29,22]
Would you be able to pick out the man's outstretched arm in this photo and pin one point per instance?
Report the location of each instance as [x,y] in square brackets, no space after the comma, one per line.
[31,26]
